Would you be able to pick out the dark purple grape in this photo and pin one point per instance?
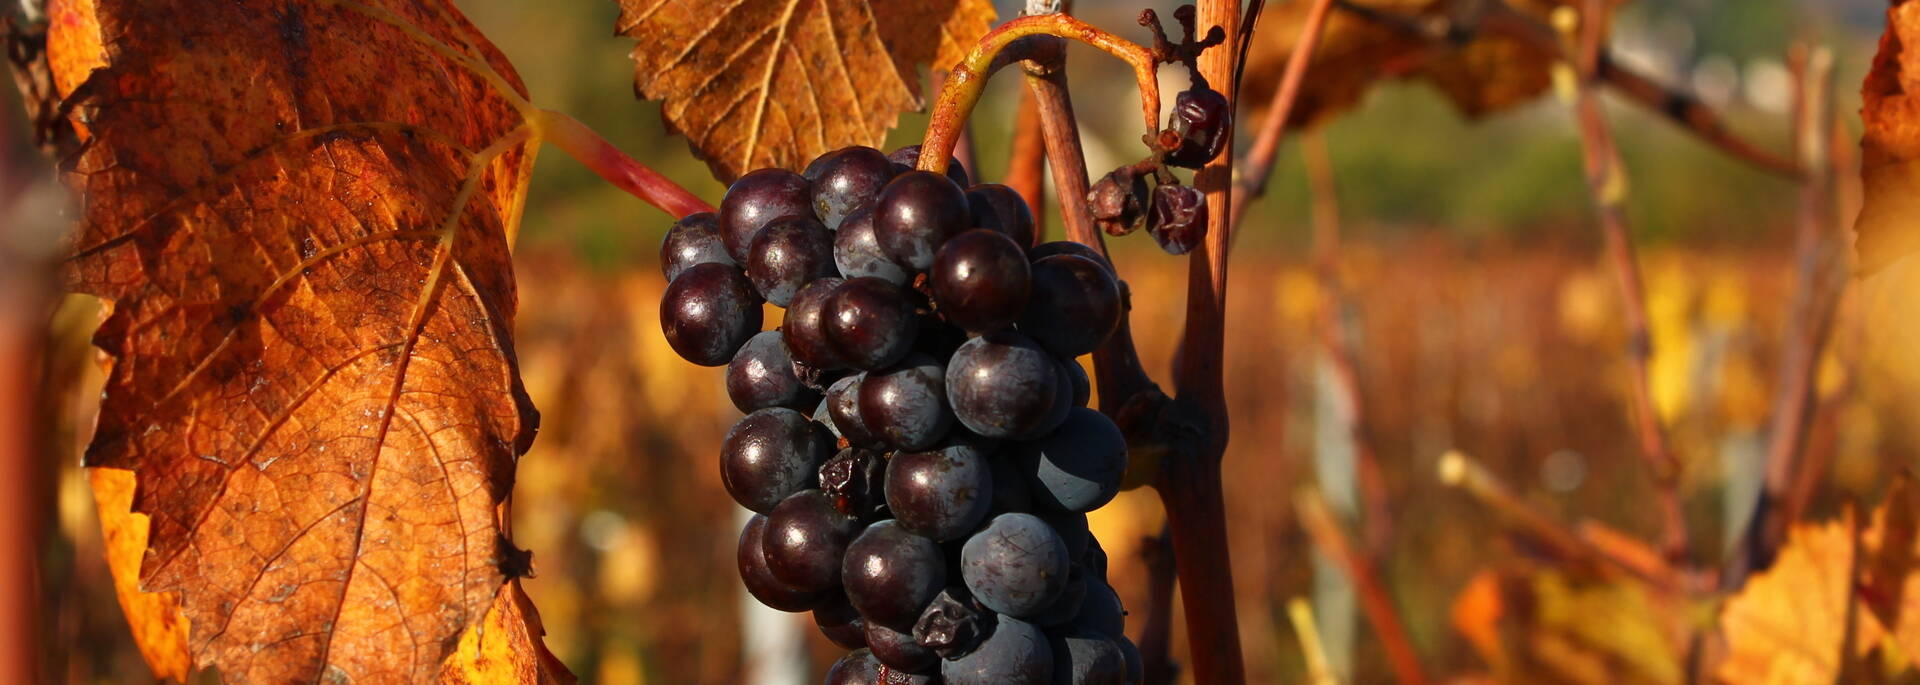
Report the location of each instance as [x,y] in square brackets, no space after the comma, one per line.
[1016,565]
[857,253]
[845,180]
[805,326]
[694,239]
[870,323]
[915,214]
[1079,467]
[1101,611]
[1074,308]
[1085,658]
[856,480]
[897,650]
[789,253]
[1200,117]
[840,623]
[805,539]
[771,454]
[1077,379]
[1179,218]
[942,493]
[952,625]
[858,667]
[1095,558]
[906,406]
[755,200]
[760,582]
[1001,384]
[908,158]
[1057,247]
[1000,208]
[1136,667]
[761,375]
[1118,201]
[1016,652]
[708,313]
[980,281]
[843,406]
[891,574]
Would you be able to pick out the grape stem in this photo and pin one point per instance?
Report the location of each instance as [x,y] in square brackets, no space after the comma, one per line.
[1002,46]
[624,172]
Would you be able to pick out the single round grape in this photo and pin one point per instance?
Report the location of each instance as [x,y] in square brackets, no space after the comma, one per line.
[1101,611]
[755,200]
[857,253]
[694,239]
[941,493]
[952,625]
[708,313]
[1077,379]
[1001,209]
[805,538]
[1016,565]
[1136,666]
[760,582]
[1075,305]
[1016,653]
[846,179]
[891,574]
[1079,466]
[897,650]
[789,253]
[858,667]
[1001,384]
[1085,658]
[906,406]
[1059,247]
[840,623]
[771,454]
[761,375]
[804,327]
[980,280]
[908,158]
[870,323]
[856,481]
[843,406]
[915,214]
[1200,116]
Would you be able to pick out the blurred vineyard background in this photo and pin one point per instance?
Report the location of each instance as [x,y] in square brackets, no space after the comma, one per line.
[1484,319]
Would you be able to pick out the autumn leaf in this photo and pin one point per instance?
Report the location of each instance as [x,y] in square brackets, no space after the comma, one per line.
[1890,204]
[759,83]
[299,212]
[1487,74]
[159,628]
[1789,623]
[1545,624]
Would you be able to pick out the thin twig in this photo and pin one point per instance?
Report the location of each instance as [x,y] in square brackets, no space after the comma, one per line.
[1027,165]
[1260,158]
[1496,17]
[1819,282]
[1319,670]
[1607,181]
[1189,481]
[1156,634]
[1375,600]
[1338,342]
[624,172]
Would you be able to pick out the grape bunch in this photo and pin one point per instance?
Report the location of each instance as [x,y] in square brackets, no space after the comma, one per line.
[917,448]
